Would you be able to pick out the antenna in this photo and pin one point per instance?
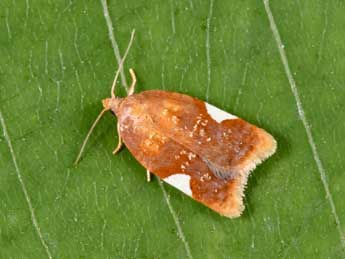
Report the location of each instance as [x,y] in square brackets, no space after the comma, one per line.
[88,135]
[121,65]
[112,96]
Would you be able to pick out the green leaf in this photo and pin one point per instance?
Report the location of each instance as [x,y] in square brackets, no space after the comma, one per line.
[279,65]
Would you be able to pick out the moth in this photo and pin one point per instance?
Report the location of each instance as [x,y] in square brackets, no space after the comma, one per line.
[201,150]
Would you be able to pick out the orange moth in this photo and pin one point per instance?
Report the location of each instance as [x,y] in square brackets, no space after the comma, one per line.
[201,150]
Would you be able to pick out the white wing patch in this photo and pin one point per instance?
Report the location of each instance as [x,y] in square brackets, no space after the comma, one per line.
[217,114]
[180,181]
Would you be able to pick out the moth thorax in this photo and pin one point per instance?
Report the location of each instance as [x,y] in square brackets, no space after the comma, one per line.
[111,103]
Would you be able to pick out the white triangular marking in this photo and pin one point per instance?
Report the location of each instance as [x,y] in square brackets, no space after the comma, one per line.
[180,181]
[218,114]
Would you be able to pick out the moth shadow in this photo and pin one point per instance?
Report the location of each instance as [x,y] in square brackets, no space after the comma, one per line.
[263,172]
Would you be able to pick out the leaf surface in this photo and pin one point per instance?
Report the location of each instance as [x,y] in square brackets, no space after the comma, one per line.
[278,65]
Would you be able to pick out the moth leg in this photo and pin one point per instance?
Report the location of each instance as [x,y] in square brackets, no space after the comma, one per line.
[134,81]
[119,144]
[148,175]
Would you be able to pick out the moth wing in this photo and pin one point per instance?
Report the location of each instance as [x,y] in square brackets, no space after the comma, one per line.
[176,164]
[228,145]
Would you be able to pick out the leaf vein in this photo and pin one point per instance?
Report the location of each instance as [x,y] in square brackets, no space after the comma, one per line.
[23,186]
[208,55]
[303,118]
[177,221]
[113,41]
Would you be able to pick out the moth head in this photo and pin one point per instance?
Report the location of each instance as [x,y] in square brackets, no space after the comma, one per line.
[111,103]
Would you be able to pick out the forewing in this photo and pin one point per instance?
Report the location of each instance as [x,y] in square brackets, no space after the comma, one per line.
[177,164]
